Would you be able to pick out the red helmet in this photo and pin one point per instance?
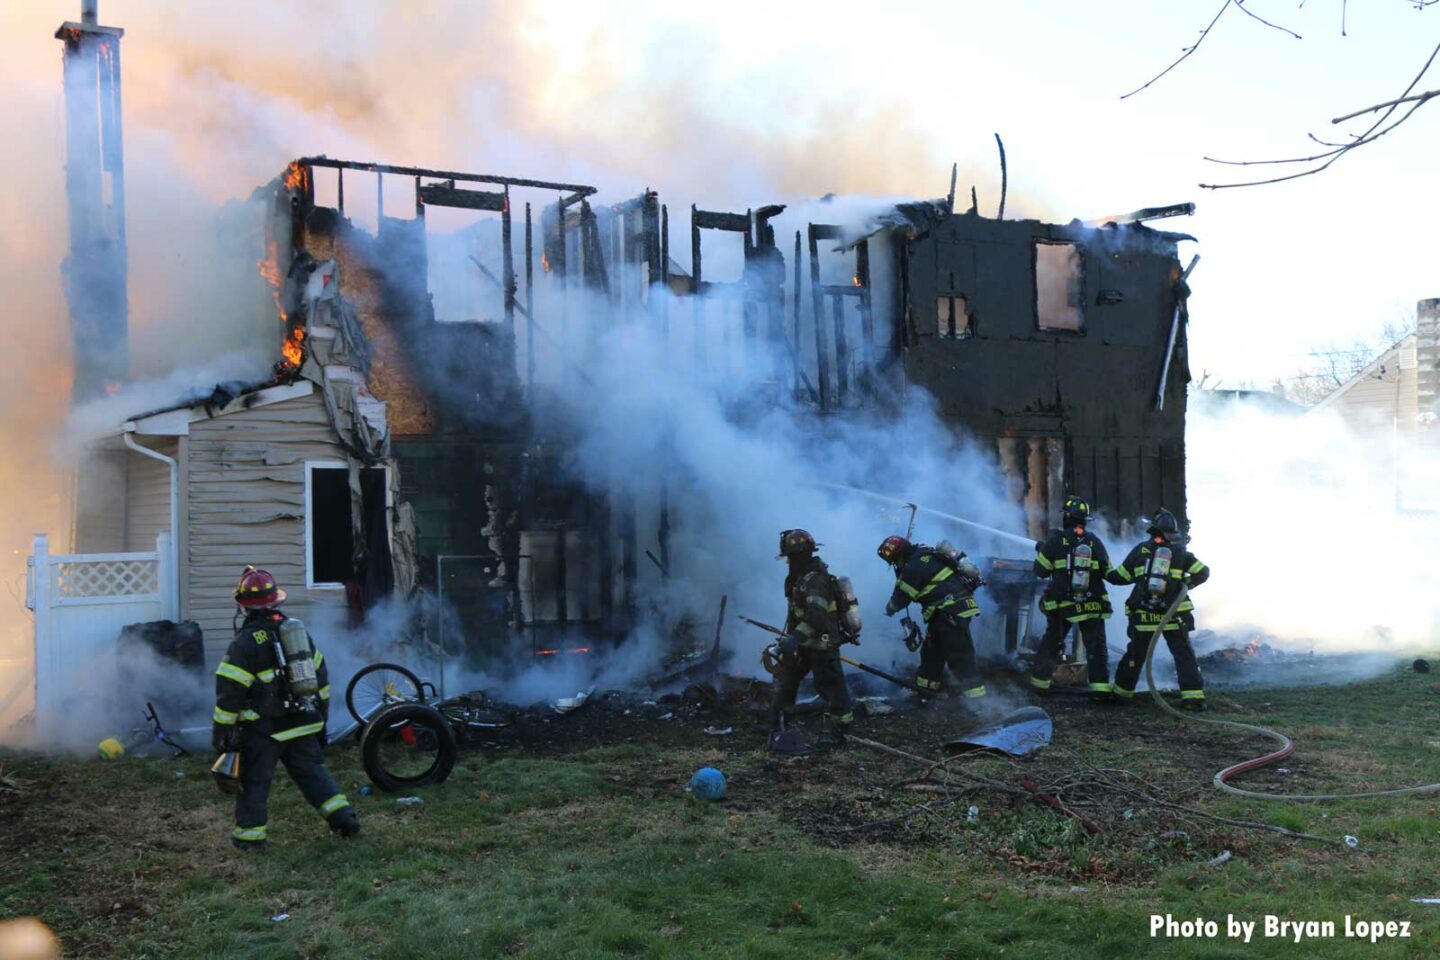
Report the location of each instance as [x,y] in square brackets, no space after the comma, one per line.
[257,590]
[894,550]
[795,543]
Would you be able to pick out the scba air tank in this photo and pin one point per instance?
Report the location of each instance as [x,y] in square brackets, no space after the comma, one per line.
[299,664]
[1080,569]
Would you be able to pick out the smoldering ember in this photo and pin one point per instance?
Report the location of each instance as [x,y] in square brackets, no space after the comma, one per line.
[609,488]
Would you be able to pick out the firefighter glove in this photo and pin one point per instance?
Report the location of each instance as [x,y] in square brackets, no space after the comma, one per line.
[222,738]
[789,645]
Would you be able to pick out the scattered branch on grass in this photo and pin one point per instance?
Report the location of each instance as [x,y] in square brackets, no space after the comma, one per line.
[1187,51]
[9,783]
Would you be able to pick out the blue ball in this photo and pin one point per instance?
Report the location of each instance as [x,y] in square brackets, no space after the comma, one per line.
[708,784]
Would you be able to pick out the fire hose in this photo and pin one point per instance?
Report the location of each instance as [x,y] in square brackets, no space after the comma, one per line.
[1287,746]
[1222,778]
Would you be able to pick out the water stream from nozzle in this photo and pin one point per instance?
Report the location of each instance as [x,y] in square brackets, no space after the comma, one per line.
[1025,541]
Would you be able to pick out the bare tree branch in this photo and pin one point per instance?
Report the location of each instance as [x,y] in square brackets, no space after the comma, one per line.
[1188,50]
[1390,103]
[1274,26]
[1375,132]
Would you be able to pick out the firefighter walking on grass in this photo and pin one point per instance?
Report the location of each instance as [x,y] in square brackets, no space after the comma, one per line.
[813,633]
[1156,569]
[943,582]
[1075,563]
[272,700]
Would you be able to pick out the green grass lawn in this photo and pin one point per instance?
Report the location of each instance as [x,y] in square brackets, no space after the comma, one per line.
[598,853]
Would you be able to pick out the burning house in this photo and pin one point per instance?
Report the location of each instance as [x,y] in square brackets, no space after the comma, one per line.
[428,423]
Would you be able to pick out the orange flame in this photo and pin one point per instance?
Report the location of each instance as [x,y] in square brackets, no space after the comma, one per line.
[293,349]
[856,280]
[294,176]
[545,262]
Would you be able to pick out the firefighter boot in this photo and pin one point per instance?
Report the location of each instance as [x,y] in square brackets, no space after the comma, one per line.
[344,822]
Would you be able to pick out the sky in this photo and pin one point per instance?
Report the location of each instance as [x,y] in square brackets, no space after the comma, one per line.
[779,101]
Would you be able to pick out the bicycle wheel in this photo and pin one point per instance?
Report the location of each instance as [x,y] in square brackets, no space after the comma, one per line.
[378,686]
[407,745]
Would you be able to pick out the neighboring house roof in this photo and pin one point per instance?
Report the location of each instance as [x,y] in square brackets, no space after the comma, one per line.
[1388,358]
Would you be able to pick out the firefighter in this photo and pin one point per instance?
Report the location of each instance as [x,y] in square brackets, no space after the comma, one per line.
[261,712]
[1075,563]
[813,634]
[943,582]
[1156,568]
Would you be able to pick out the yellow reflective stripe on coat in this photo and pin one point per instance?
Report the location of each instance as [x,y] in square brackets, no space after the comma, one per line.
[1099,688]
[229,671]
[924,684]
[325,692]
[1122,573]
[265,676]
[336,802]
[936,580]
[1192,694]
[908,590]
[1044,561]
[247,715]
[1039,684]
[319,659]
[225,717]
[298,732]
[975,692]
[248,833]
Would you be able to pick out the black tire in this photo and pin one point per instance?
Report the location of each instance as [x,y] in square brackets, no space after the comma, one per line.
[383,684]
[407,745]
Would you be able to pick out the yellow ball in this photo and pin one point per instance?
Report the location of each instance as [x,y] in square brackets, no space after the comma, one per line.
[111,749]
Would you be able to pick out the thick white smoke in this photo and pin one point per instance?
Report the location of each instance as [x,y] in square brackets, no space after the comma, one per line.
[1313,532]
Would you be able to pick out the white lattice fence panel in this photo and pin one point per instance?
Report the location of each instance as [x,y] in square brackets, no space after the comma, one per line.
[106,578]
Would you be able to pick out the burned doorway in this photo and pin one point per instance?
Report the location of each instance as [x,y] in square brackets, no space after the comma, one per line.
[347,532]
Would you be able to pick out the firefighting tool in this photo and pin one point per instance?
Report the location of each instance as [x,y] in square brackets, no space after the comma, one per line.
[769,655]
[1026,542]
[226,771]
[913,639]
[1221,779]
[910,527]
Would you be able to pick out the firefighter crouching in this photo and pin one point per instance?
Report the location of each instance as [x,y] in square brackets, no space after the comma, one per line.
[272,699]
[814,633]
[943,581]
[1156,568]
[1076,564]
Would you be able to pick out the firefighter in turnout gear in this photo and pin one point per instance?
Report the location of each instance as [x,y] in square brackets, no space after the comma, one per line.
[1155,569]
[1075,563]
[814,633]
[943,582]
[272,699]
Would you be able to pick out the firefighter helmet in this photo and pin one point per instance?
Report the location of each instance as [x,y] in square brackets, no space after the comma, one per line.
[795,543]
[893,550]
[1165,524]
[1076,511]
[257,590]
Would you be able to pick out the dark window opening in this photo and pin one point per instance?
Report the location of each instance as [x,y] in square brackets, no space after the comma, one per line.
[1059,287]
[331,530]
[332,543]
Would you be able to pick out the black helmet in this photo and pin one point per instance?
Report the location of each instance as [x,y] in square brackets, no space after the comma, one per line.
[1165,524]
[795,543]
[1076,511]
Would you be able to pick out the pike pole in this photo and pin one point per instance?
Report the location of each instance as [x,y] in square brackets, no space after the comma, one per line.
[876,671]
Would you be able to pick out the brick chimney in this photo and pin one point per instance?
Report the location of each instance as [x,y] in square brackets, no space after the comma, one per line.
[1427,378]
